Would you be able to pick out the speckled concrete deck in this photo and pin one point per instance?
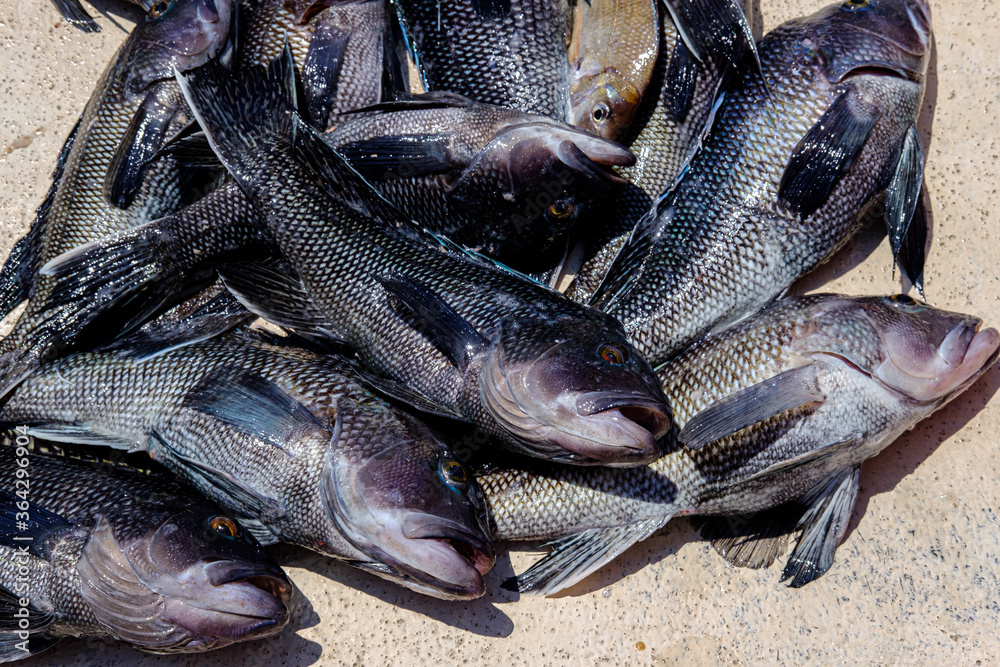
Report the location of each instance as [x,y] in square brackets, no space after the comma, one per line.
[917,579]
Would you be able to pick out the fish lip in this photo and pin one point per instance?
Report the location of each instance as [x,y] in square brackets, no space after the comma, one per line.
[222,572]
[480,553]
[892,70]
[575,158]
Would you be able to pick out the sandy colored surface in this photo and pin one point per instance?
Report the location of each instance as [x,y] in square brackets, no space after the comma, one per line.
[917,579]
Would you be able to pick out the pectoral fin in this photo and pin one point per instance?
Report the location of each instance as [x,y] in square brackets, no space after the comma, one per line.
[15,531]
[144,136]
[447,330]
[399,155]
[785,391]
[252,404]
[826,153]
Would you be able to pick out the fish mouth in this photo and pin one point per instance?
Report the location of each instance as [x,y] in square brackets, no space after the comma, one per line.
[615,431]
[649,414]
[242,602]
[584,153]
[222,572]
[477,552]
[454,560]
[571,155]
[892,70]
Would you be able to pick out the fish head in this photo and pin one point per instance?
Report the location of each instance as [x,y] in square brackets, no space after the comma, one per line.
[540,177]
[922,354]
[870,37]
[191,579]
[404,499]
[177,34]
[929,354]
[574,390]
[604,104]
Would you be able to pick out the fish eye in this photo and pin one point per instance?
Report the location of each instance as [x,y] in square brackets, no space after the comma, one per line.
[857,5]
[559,209]
[224,526]
[902,300]
[613,354]
[600,113]
[454,473]
[159,9]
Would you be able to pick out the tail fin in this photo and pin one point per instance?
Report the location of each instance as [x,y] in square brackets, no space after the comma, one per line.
[135,263]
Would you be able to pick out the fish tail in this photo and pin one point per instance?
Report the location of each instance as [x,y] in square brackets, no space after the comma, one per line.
[133,266]
[243,114]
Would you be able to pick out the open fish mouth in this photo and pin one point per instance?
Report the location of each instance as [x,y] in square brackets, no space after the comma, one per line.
[242,602]
[649,414]
[453,559]
[615,431]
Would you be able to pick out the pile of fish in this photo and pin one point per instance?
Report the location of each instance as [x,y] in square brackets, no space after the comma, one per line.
[394,280]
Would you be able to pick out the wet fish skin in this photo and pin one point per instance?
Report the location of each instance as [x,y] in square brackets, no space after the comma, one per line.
[339,46]
[477,49]
[827,137]
[667,130]
[135,105]
[134,557]
[452,332]
[799,396]
[287,440]
[497,180]
[612,51]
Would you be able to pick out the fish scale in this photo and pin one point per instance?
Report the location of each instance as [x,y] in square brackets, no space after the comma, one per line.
[488,58]
[723,242]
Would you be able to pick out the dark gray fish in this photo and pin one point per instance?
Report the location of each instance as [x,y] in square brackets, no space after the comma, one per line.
[497,180]
[782,407]
[511,53]
[452,333]
[153,264]
[135,107]
[667,130]
[287,440]
[95,550]
[793,159]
